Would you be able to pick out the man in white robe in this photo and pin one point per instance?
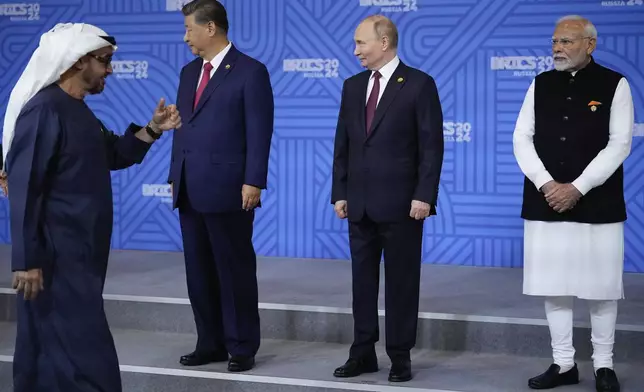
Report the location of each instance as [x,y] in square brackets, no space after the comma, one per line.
[572,135]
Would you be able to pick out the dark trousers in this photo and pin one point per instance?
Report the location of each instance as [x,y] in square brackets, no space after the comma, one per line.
[401,243]
[63,340]
[221,272]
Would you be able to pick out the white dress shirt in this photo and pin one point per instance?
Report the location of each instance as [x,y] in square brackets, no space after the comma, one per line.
[386,72]
[216,61]
[600,168]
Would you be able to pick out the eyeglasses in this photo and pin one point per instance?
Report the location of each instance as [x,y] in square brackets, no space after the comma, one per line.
[106,61]
[566,41]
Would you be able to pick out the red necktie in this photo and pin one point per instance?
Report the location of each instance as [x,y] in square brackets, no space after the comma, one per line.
[202,84]
[373,100]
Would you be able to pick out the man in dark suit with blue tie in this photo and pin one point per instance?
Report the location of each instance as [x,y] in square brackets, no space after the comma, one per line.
[386,170]
[219,166]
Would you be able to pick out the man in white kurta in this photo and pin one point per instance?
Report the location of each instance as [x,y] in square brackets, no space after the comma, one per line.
[572,135]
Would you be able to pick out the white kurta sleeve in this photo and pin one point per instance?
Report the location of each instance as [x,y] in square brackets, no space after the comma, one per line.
[522,139]
[622,118]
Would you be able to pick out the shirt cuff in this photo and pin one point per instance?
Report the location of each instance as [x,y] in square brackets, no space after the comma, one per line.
[542,179]
[582,185]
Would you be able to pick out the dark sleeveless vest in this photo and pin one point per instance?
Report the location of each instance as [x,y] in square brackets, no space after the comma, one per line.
[569,134]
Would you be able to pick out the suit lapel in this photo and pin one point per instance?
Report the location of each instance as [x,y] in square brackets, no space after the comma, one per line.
[394,85]
[362,116]
[192,79]
[227,64]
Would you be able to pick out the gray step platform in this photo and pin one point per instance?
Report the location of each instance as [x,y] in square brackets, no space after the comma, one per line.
[445,332]
[477,332]
[149,363]
[461,308]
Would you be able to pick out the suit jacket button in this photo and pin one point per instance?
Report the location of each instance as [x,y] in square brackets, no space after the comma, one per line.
[563,138]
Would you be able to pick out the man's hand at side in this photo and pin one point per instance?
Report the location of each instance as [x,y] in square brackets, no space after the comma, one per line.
[250,197]
[340,208]
[29,282]
[419,210]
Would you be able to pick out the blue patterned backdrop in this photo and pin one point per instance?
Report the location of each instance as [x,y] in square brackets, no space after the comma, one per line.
[482,53]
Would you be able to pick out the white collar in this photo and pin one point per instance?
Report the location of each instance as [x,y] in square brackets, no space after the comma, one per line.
[387,70]
[219,57]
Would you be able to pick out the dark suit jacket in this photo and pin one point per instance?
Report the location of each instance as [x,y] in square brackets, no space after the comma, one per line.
[225,142]
[401,159]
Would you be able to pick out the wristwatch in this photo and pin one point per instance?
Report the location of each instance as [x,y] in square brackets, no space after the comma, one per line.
[152,134]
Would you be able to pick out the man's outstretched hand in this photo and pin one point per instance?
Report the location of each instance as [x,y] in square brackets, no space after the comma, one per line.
[165,117]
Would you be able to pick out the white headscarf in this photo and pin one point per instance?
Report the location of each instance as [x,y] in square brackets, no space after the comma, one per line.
[58,50]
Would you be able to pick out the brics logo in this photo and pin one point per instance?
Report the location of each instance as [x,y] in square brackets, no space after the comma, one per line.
[21,11]
[622,3]
[522,65]
[392,5]
[457,132]
[162,191]
[313,68]
[130,69]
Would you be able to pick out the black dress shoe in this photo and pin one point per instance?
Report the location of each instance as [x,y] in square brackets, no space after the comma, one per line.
[356,366]
[551,378]
[201,358]
[400,371]
[241,364]
[606,380]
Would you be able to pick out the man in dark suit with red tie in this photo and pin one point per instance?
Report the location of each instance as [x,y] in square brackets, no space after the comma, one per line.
[386,170]
[219,166]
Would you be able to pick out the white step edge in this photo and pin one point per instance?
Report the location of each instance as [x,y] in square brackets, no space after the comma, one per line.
[381,312]
[262,379]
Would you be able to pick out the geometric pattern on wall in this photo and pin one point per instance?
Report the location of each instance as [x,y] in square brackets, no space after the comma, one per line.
[483,55]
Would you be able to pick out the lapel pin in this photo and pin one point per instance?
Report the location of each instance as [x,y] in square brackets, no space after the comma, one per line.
[593,105]
[400,80]
[227,66]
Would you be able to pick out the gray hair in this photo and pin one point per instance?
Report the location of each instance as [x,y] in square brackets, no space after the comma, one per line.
[384,27]
[589,27]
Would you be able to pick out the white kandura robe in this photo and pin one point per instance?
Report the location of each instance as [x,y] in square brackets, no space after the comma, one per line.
[569,258]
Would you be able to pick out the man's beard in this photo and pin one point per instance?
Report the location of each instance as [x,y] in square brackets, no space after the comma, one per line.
[565,63]
[96,89]
[562,65]
[95,84]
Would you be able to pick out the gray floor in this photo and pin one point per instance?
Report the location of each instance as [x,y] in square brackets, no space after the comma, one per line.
[444,289]
[466,372]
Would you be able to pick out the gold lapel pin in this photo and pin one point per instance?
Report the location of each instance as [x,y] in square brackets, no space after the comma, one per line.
[400,80]
[227,66]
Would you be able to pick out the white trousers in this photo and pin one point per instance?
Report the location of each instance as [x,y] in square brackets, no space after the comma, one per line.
[603,317]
